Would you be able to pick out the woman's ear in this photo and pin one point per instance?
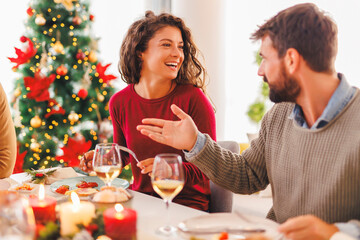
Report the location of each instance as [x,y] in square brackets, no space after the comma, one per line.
[139,54]
[292,60]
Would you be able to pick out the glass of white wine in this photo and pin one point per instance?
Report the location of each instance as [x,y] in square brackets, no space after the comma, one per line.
[107,162]
[167,179]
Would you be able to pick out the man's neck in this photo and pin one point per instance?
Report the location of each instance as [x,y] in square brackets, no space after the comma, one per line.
[316,91]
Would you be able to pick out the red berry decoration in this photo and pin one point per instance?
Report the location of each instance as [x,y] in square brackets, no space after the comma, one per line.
[29,11]
[39,175]
[23,39]
[82,93]
[80,55]
[91,17]
[62,70]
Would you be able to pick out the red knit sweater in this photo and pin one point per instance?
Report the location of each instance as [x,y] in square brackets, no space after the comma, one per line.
[127,109]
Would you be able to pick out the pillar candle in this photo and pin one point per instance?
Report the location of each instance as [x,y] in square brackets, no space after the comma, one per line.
[120,223]
[43,207]
[73,213]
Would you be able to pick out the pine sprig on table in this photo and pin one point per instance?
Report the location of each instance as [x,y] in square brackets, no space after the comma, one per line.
[38,176]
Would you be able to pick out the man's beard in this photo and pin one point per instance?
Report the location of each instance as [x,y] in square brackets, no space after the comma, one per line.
[286,90]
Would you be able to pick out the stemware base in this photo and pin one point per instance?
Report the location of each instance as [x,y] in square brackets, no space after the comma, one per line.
[166,230]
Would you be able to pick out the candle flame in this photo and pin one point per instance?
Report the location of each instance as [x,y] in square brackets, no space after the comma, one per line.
[119,207]
[75,200]
[41,192]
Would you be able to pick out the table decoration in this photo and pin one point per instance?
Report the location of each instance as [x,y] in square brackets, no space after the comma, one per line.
[38,176]
[74,213]
[43,207]
[120,223]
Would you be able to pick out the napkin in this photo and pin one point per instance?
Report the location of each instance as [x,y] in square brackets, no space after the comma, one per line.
[61,173]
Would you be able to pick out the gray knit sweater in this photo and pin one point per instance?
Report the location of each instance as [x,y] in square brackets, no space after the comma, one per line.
[311,171]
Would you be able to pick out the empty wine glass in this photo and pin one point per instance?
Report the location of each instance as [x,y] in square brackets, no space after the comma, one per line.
[107,162]
[167,179]
[17,219]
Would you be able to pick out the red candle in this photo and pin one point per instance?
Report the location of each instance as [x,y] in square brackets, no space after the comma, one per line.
[120,223]
[43,207]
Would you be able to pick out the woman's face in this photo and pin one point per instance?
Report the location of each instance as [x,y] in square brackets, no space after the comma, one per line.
[164,55]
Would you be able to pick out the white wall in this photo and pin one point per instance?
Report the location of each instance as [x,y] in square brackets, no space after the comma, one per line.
[239,84]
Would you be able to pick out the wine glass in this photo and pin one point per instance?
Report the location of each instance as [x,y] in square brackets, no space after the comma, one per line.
[167,179]
[17,219]
[107,162]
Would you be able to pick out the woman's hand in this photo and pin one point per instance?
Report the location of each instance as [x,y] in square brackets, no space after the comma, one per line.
[146,166]
[86,161]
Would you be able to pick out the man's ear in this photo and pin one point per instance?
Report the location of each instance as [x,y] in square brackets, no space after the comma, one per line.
[292,60]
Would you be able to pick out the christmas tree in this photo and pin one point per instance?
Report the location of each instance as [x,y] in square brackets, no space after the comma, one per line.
[61,96]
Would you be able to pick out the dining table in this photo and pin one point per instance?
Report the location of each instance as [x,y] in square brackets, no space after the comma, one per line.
[151,211]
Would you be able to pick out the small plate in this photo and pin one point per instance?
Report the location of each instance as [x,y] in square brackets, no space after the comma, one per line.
[32,185]
[210,225]
[71,182]
[4,185]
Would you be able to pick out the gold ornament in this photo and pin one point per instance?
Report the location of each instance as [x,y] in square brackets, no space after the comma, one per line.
[58,47]
[36,122]
[92,57]
[35,147]
[100,97]
[17,92]
[67,3]
[40,20]
[73,117]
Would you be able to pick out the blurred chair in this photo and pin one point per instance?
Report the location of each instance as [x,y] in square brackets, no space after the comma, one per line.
[221,199]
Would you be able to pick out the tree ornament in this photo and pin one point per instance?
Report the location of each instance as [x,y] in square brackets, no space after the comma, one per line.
[40,20]
[58,47]
[80,55]
[91,17]
[100,69]
[72,151]
[62,70]
[30,11]
[92,57]
[36,122]
[17,92]
[35,147]
[67,3]
[73,117]
[77,20]
[23,56]
[39,86]
[82,93]
[100,97]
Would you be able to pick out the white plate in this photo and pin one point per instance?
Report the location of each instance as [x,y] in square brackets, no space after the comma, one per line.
[32,191]
[208,226]
[71,182]
[4,185]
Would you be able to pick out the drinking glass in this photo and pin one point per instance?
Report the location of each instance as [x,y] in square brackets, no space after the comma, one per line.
[107,162]
[17,219]
[167,179]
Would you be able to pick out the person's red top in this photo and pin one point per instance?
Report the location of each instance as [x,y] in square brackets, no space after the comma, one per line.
[127,109]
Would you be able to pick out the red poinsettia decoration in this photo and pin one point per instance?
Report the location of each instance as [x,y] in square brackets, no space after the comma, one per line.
[100,69]
[19,161]
[38,86]
[55,108]
[23,56]
[72,151]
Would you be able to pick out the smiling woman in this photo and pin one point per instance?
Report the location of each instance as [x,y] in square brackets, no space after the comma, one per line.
[158,61]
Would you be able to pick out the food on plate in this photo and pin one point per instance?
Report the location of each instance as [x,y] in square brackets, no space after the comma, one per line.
[83,192]
[62,189]
[24,186]
[84,184]
[112,194]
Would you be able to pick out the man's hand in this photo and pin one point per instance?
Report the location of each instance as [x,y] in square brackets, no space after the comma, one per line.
[178,134]
[86,161]
[307,227]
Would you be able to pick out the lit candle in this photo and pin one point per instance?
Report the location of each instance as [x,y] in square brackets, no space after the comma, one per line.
[43,207]
[73,213]
[120,223]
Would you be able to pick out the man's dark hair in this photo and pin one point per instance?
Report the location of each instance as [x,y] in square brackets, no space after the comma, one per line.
[307,29]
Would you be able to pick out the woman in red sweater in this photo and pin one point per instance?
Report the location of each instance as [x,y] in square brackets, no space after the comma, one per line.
[158,61]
